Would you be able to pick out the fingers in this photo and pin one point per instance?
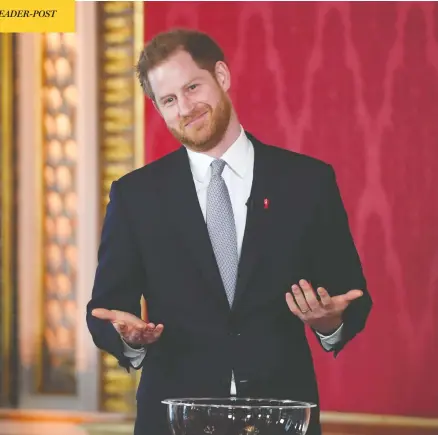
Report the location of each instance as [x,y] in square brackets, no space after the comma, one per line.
[324,314]
[132,329]
[300,299]
[309,295]
[153,334]
[342,301]
[305,298]
[102,313]
[353,294]
[158,331]
[141,336]
[118,317]
[293,306]
[130,319]
[325,298]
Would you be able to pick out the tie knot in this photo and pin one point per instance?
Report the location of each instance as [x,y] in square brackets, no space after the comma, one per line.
[217,166]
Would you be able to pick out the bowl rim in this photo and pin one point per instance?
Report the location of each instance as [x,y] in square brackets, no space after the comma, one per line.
[202,402]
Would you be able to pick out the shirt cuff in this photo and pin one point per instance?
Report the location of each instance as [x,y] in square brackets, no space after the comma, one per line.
[136,356]
[329,341]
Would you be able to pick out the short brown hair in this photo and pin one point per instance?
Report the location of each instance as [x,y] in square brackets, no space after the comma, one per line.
[203,49]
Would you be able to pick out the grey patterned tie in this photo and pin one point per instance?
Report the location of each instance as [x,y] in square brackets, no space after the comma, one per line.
[222,228]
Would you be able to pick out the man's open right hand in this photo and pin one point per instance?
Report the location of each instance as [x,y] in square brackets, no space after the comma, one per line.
[134,331]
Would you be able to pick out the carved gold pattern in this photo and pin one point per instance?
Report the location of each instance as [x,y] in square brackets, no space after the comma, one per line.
[57,365]
[121,105]
[6,213]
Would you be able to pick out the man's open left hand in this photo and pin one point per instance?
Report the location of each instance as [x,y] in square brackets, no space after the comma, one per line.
[324,315]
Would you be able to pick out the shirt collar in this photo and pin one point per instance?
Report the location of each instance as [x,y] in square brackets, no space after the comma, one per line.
[236,157]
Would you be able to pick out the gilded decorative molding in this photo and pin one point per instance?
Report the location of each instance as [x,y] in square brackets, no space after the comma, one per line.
[6,213]
[57,353]
[121,105]
[139,98]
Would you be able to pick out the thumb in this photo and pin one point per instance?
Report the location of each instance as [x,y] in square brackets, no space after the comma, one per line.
[104,314]
[353,294]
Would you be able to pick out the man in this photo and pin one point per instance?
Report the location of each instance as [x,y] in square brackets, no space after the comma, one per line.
[235,245]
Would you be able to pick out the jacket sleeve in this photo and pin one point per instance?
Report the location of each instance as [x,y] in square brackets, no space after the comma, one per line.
[336,265]
[119,280]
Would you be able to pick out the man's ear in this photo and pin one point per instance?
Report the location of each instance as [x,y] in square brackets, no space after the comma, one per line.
[223,75]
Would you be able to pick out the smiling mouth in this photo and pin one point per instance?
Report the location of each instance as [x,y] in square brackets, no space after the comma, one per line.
[196,119]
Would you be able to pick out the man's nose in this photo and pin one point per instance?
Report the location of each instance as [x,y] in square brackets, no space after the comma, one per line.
[185,106]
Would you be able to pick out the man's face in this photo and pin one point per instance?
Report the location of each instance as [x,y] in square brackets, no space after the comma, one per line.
[193,103]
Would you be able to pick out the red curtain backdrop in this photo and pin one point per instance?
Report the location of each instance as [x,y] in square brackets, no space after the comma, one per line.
[355,84]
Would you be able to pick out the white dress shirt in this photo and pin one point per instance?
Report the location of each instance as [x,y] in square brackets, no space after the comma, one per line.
[238,175]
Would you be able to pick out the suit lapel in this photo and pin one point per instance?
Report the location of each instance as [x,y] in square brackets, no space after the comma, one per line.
[186,216]
[256,220]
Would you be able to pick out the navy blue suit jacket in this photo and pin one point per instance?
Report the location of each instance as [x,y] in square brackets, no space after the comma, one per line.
[155,243]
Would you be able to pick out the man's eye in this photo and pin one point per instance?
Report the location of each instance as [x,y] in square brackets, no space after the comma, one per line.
[168,100]
[193,87]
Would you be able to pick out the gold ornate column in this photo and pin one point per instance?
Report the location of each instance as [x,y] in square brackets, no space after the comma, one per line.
[7,226]
[121,105]
[57,371]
